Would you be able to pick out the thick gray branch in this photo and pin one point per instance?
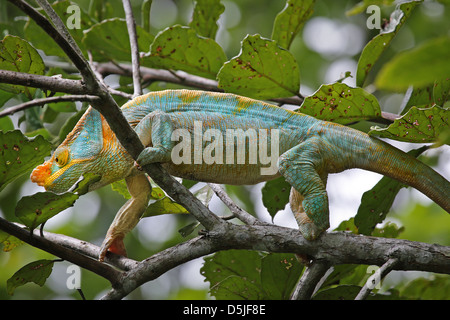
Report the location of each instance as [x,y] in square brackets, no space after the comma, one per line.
[54,84]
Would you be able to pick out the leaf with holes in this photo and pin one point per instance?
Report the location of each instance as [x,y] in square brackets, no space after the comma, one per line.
[417,125]
[37,272]
[340,103]
[375,47]
[275,195]
[38,208]
[290,20]
[279,275]
[19,154]
[108,40]
[234,274]
[261,70]
[205,16]
[376,203]
[18,55]
[180,48]
[71,14]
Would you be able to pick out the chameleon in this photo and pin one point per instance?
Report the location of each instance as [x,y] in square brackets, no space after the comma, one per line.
[186,130]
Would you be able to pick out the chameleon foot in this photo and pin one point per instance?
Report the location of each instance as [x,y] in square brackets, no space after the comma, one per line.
[114,245]
[307,228]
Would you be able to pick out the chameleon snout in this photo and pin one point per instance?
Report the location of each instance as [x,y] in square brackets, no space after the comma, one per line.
[41,173]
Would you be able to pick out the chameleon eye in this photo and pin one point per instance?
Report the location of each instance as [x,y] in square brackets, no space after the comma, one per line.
[61,157]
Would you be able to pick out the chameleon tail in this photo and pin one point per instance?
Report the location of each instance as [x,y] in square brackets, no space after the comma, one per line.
[375,155]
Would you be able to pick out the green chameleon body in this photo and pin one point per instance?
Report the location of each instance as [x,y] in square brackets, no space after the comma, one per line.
[224,138]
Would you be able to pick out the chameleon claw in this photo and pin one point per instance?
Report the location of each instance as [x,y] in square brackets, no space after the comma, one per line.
[137,166]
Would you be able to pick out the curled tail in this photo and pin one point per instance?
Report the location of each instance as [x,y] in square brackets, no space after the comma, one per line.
[375,155]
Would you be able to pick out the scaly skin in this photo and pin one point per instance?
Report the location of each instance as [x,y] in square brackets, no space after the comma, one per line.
[307,150]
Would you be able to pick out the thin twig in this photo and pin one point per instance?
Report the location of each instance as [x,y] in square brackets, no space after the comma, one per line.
[43,101]
[376,278]
[131,26]
[238,212]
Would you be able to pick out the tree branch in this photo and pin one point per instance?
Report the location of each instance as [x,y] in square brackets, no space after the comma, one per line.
[238,212]
[52,247]
[131,26]
[307,284]
[43,101]
[330,249]
[55,84]
[379,274]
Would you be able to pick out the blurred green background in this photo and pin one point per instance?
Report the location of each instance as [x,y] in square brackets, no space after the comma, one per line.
[328,46]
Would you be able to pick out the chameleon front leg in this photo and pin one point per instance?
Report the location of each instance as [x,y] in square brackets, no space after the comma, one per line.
[303,168]
[128,216]
[154,131]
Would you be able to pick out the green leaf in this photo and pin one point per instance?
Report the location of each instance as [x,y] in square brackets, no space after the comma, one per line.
[145,10]
[18,155]
[6,124]
[417,125]
[41,40]
[343,292]
[362,6]
[121,187]
[340,103]
[82,185]
[38,208]
[436,288]
[187,230]
[376,203]
[18,55]
[419,67]
[180,48]
[279,275]
[249,275]
[109,40]
[373,50]
[9,242]
[234,274]
[275,195]
[164,206]
[37,272]
[261,70]
[205,16]
[290,21]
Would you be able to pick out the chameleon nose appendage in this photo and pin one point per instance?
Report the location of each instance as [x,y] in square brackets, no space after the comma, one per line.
[41,173]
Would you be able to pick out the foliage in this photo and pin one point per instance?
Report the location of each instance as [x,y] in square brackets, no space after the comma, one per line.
[272,55]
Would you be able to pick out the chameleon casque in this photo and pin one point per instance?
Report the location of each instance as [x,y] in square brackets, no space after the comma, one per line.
[308,149]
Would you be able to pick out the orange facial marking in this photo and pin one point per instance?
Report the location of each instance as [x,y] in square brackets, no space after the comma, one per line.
[41,173]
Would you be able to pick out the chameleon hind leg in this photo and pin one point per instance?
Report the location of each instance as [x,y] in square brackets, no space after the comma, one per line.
[302,167]
[128,216]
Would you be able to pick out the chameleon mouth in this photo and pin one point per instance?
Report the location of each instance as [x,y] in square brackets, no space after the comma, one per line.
[43,176]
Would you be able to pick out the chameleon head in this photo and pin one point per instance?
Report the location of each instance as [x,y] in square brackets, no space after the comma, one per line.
[90,147]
